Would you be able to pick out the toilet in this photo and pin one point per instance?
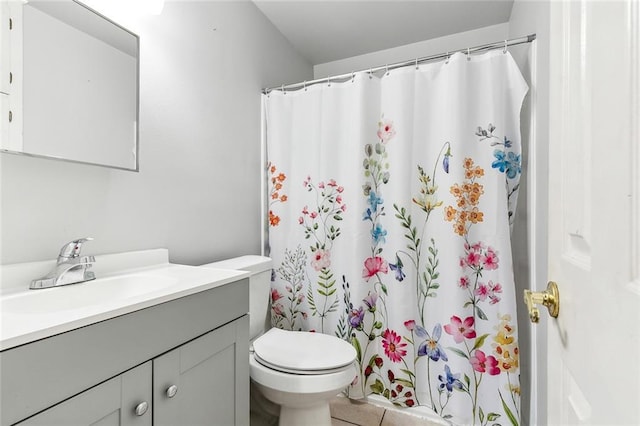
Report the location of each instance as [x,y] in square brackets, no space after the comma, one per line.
[297,370]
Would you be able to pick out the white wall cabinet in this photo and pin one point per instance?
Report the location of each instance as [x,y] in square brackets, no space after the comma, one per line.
[10,75]
[187,359]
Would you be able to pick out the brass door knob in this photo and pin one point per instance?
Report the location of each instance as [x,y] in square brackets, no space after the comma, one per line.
[549,298]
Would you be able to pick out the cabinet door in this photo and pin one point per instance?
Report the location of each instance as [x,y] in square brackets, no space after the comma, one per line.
[111,403]
[210,377]
[5,46]
[4,120]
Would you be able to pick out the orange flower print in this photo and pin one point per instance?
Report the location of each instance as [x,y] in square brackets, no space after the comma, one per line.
[277,184]
[467,197]
[449,213]
[505,346]
[273,219]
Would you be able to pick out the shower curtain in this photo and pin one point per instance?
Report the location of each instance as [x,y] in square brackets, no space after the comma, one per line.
[390,202]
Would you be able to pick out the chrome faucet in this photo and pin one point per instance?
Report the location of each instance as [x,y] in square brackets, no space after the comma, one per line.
[71,268]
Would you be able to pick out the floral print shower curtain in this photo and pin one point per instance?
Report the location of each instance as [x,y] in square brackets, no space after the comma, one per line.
[390,206]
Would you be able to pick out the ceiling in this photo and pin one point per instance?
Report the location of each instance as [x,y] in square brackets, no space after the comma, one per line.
[325,31]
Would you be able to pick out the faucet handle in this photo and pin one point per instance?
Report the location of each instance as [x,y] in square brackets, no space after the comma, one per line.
[72,249]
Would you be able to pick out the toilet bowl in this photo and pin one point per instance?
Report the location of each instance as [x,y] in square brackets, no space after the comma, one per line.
[299,371]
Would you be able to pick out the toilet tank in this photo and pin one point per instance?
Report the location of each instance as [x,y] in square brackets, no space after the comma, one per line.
[259,288]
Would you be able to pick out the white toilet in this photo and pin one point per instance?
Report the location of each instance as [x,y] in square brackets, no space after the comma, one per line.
[299,371]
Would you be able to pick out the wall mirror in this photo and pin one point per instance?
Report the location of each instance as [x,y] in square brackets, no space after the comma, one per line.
[80,86]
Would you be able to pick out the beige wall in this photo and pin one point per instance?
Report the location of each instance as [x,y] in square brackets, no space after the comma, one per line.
[202,66]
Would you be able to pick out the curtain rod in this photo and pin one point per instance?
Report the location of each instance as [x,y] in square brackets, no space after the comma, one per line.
[344,77]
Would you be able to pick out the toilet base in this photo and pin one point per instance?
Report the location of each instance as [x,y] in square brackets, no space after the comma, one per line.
[312,416]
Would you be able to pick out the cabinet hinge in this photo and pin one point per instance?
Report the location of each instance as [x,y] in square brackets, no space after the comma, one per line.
[10,77]
[10,23]
[10,116]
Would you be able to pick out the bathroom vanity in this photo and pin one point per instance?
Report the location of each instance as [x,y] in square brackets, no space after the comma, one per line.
[168,356]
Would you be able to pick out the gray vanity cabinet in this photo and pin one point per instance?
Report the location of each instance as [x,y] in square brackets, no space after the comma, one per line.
[112,403]
[188,359]
[197,383]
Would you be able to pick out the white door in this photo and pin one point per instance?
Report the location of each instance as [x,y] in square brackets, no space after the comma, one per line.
[594,214]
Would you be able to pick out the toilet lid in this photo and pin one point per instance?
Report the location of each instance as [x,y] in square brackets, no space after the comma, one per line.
[302,352]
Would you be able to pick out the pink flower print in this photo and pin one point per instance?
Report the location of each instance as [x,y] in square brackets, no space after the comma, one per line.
[386,131]
[493,290]
[373,266]
[340,189]
[482,291]
[300,220]
[411,325]
[321,259]
[478,246]
[343,207]
[463,282]
[305,210]
[313,215]
[275,295]
[321,185]
[393,347]
[460,329]
[482,363]
[339,199]
[278,309]
[473,259]
[490,260]
[332,183]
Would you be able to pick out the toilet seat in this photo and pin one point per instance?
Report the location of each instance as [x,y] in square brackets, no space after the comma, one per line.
[303,353]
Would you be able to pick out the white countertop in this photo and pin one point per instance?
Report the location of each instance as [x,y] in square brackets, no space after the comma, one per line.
[147,279]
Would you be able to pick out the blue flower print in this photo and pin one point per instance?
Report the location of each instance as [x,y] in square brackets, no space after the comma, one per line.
[450,381]
[445,163]
[367,215]
[374,201]
[507,162]
[378,234]
[430,347]
[397,268]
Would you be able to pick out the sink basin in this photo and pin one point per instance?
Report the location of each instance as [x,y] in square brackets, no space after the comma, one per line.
[127,282]
[90,293]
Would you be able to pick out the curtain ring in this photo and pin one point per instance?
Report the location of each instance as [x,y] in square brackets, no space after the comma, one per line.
[370,73]
[505,47]
[353,76]
[417,67]
[304,85]
[284,92]
[448,57]
[328,81]
[386,72]
[468,54]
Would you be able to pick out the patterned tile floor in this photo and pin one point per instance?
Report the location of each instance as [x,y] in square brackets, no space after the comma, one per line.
[346,412]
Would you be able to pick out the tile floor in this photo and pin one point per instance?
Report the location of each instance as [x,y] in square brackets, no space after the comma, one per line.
[346,412]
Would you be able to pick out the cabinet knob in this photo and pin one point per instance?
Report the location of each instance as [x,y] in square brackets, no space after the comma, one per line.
[142,408]
[172,391]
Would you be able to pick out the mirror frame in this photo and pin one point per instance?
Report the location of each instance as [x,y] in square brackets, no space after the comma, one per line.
[136,168]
